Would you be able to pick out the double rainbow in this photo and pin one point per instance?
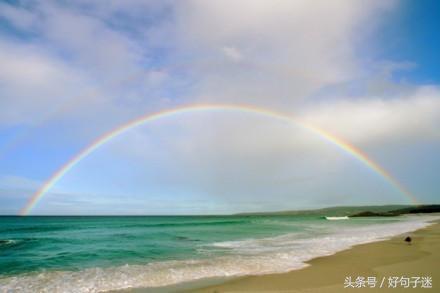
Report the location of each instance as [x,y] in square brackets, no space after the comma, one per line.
[103,139]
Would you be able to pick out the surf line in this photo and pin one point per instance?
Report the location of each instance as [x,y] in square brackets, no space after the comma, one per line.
[194,108]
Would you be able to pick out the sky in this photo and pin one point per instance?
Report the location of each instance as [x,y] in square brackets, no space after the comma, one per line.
[367,72]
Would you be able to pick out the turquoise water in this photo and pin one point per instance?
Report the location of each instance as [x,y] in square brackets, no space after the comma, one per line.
[105,253]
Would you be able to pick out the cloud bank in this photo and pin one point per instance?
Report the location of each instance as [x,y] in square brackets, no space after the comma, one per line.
[71,71]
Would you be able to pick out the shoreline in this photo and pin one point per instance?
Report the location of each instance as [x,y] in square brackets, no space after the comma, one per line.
[220,273]
[380,259]
[379,253]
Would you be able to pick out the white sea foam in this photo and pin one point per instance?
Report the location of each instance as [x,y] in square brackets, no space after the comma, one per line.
[245,257]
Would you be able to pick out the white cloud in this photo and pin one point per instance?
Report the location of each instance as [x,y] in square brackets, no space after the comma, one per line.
[292,48]
[20,18]
[232,53]
[409,118]
[280,51]
[90,41]
[104,63]
[75,65]
[32,82]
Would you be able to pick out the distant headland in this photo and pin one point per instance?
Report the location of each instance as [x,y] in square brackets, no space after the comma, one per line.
[358,211]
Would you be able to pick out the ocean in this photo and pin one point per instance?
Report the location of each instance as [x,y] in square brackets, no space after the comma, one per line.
[93,254]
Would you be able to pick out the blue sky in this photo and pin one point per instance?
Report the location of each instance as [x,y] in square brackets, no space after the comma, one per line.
[411,35]
[72,70]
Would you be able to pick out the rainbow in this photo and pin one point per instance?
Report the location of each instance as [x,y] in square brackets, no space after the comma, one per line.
[106,137]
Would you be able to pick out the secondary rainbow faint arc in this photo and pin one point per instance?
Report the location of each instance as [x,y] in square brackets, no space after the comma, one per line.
[352,150]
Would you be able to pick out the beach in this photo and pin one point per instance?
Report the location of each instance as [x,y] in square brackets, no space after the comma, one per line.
[210,253]
[384,259]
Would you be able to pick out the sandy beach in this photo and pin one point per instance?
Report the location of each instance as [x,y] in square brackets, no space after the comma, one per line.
[379,260]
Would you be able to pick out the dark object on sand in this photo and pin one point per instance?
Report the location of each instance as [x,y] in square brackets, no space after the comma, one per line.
[408,239]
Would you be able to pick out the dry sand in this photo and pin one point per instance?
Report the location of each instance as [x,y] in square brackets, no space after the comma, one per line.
[380,259]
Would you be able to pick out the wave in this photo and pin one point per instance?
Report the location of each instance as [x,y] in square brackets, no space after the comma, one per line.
[15,243]
[339,238]
[244,257]
[7,242]
[337,218]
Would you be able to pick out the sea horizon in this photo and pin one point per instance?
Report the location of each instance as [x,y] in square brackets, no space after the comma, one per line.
[332,208]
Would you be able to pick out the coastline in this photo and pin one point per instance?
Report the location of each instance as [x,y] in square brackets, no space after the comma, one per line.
[269,257]
[387,258]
